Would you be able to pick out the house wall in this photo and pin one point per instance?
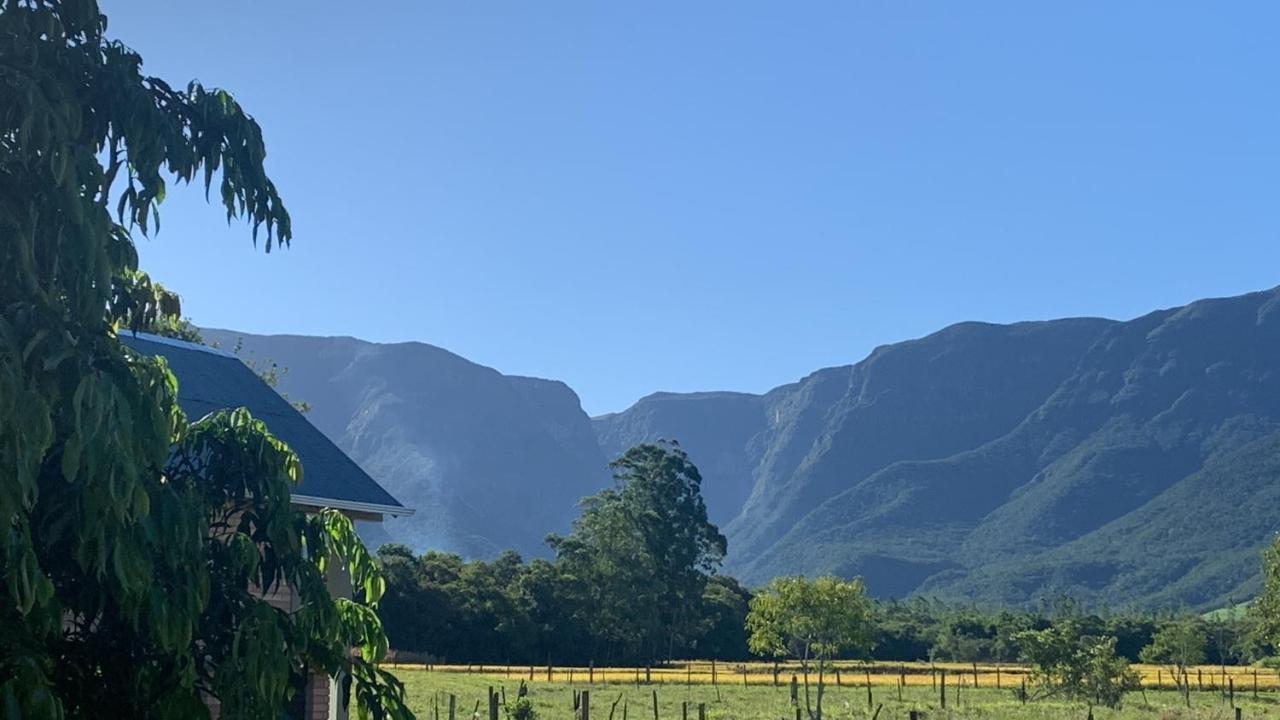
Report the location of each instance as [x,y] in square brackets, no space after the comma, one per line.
[322,695]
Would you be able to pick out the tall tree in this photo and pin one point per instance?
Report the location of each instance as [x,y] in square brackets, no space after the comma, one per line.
[643,551]
[132,541]
[811,620]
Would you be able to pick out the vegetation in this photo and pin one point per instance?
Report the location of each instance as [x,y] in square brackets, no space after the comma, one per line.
[630,583]
[810,620]
[1179,644]
[1068,663]
[430,689]
[133,540]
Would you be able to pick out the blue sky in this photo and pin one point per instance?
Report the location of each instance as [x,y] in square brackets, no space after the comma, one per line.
[634,197]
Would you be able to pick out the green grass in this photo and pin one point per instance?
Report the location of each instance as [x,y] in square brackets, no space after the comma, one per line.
[554,701]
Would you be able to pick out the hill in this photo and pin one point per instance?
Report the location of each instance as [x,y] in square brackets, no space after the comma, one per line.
[1126,462]
[489,461]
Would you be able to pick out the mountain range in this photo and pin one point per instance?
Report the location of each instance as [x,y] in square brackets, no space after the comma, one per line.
[1121,462]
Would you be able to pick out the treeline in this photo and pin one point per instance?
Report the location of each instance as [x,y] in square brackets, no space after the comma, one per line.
[634,582]
[510,610]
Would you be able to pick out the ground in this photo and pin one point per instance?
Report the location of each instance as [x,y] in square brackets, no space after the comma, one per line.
[616,696]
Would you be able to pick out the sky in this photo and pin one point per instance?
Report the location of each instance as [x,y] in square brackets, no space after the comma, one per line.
[637,197]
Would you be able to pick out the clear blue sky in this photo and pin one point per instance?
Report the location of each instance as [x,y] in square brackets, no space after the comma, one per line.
[634,197]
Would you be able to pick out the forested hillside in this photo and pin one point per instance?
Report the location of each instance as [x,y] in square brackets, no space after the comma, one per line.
[1107,460]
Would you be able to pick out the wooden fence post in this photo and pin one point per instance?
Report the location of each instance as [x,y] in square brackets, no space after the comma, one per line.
[942,683]
[1022,693]
[997,676]
[684,710]
[655,705]
[493,704]
[838,682]
[795,697]
[584,702]
[868,672]
[775,673]
[648,678]
[453,702]
[1231,691]
[702,711]
[548,672]
[713,672]
[975,674]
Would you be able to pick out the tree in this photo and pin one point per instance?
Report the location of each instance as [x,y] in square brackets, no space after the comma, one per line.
[810,620]
[1265,609]
[132,541]
[1069,663]
[1180,645]
[724,613]
[643,551]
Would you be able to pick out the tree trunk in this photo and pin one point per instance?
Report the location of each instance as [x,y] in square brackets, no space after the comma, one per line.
[804,670]
[822,669]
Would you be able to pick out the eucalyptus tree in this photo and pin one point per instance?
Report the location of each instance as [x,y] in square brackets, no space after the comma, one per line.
[640,553]
[132,539]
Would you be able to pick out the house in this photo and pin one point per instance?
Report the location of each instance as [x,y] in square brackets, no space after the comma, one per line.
[210,379]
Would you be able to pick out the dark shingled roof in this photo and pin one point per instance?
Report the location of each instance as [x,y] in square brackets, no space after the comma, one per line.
[211,379]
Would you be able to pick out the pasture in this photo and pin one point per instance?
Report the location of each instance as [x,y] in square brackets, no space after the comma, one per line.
[747,692]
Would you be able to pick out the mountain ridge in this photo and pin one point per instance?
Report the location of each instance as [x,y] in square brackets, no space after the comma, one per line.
[984,462]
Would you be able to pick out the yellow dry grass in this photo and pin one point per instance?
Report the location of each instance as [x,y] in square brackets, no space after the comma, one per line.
[850,674]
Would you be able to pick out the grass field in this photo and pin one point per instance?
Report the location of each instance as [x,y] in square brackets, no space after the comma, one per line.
[1243,679]
[616,696]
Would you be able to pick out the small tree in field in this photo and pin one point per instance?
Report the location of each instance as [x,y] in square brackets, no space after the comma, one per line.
[812,620]
[1067,663]
[1180,645]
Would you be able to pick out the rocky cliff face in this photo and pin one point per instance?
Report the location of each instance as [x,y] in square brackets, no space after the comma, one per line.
[490,462]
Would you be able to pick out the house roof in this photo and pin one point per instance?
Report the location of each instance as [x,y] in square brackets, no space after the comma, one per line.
[210,379]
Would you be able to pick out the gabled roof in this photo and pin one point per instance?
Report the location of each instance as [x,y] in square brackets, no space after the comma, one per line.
[210,379]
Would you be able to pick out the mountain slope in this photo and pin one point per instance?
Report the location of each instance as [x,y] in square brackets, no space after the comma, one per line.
[1116,461]
[1133,462]
[489,461]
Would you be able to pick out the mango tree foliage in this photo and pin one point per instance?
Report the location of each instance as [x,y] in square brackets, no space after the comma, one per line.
[811,620]
[132,541]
